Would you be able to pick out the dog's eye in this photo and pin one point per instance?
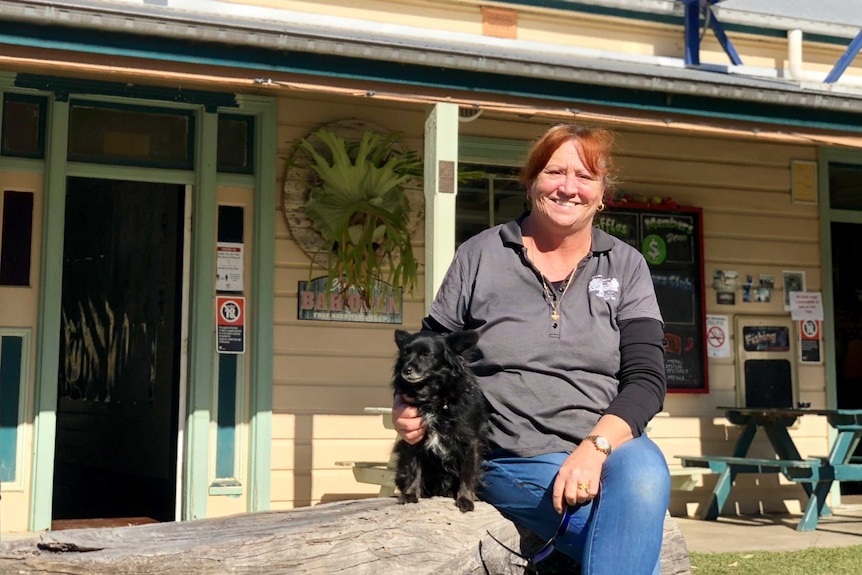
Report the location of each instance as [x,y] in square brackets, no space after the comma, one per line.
[424,354]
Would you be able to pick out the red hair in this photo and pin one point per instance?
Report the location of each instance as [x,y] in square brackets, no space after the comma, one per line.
[595,151]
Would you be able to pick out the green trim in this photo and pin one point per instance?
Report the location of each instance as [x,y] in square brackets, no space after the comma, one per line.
[229,488]
[48,334]
[201,322]
[263,303]
[268,61]
[497,151]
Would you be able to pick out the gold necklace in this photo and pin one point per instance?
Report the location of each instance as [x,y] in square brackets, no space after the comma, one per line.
[553,302]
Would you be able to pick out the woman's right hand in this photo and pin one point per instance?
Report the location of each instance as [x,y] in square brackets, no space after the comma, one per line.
[407,422]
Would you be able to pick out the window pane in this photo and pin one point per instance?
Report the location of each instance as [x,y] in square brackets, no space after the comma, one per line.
[16,238]
[482,202]
[130,136]
[23,126]
[234,144]
[845,186]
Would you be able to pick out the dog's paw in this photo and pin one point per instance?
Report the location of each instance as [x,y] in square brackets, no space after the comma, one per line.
[408,498]
[464,504]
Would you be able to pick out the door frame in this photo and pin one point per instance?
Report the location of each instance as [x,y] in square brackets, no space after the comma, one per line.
[828,216]
[199,265]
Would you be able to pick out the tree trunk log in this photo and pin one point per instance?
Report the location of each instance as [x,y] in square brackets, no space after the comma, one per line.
[361,537]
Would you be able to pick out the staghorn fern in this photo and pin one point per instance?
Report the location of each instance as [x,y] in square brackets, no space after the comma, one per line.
[357,203]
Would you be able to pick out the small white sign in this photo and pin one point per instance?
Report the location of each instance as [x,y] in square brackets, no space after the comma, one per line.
[806,305]
[717,336]
[229,266]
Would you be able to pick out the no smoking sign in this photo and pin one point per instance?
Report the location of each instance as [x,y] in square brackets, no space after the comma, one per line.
[809,341]
[230,324]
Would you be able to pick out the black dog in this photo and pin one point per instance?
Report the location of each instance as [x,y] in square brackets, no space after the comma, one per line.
[432,374]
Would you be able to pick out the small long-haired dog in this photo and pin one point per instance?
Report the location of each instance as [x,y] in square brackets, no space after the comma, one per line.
[432,373]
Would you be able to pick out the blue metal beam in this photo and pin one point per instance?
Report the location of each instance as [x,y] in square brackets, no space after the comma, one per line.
[692,32]
[691,20]
[845,59]
[718,29]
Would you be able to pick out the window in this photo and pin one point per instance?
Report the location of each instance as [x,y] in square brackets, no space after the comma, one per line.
[14,358]
[16,236]
[131,135]
[492,198]
[235,138]
[23,126]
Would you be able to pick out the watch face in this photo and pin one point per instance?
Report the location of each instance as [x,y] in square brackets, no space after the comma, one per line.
[603,443]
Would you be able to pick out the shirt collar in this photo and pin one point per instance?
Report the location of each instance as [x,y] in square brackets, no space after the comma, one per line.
[510,234]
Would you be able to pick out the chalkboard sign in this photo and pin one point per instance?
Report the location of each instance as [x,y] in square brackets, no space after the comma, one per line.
[671,241]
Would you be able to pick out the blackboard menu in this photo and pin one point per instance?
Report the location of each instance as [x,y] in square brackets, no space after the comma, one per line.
[671,240]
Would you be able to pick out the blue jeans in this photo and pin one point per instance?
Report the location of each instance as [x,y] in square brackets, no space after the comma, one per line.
[620,531]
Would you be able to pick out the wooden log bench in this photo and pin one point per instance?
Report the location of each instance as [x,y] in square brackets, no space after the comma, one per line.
[360,537]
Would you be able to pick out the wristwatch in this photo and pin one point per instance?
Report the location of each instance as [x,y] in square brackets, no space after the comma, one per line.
[601,443]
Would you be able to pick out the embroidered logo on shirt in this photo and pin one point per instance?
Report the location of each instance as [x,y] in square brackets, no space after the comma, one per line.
[606,288]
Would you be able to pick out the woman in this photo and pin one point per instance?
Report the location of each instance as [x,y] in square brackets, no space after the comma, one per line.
[571,363]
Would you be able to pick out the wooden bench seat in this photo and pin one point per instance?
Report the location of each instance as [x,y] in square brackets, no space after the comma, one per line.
[807,470]
[686,478]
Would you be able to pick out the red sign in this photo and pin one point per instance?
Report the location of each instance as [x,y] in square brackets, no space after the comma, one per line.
[230,321]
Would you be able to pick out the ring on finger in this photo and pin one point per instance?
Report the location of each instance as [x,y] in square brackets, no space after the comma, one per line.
[585,487]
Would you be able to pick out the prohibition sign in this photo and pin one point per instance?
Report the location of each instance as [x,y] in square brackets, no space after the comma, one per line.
[809,329]
[715,336]
[230,332]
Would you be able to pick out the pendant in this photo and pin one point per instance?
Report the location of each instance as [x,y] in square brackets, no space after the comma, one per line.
[555,316]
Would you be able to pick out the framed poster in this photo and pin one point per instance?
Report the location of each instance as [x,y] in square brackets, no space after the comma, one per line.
[671,241]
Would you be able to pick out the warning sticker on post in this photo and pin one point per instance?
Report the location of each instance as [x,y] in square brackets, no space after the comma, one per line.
[230,332]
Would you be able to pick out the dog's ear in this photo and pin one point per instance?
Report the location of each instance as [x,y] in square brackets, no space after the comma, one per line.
[462,342]
[401,337]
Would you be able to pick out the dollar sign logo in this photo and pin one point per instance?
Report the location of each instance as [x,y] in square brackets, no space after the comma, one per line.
[654,249]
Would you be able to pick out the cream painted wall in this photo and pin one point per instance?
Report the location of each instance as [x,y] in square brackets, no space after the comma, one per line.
[326,373]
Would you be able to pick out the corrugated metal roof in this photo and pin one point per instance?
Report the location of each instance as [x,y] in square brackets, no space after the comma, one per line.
[848,12]
[594,74]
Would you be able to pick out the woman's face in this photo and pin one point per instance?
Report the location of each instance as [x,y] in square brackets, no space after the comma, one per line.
[566,194]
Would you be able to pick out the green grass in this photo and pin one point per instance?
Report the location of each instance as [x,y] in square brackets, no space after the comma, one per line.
[813,561]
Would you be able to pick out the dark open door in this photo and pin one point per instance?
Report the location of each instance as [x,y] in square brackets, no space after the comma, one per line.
[845,193]
[118,388]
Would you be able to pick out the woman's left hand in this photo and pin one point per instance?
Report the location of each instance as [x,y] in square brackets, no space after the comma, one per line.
[577,482]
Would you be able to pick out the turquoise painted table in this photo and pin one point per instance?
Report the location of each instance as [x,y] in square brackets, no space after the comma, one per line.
[815,474]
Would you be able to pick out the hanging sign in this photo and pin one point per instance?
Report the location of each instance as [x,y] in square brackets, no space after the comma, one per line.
[717,340]
[230,332]
[229,266]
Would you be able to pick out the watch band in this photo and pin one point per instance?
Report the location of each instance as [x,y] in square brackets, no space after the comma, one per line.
[600,443]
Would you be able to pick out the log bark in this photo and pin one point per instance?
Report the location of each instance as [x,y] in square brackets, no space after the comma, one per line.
[361,537]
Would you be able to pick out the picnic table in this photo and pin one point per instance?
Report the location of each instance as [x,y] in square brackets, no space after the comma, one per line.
[816,475]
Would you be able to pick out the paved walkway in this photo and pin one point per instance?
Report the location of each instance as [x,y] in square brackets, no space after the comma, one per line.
[772,532]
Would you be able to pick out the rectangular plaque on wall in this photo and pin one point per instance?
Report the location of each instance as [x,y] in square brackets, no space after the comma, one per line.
[671,241]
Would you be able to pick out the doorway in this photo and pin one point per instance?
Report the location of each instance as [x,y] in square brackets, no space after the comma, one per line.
[845,185]
[120,350]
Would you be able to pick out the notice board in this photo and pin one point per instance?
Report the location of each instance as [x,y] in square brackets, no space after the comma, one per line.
[671,241]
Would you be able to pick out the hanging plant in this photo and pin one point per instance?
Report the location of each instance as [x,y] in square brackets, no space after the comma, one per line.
[357,203]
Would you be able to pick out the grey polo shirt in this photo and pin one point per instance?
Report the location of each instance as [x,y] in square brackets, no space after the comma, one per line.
[547,381]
